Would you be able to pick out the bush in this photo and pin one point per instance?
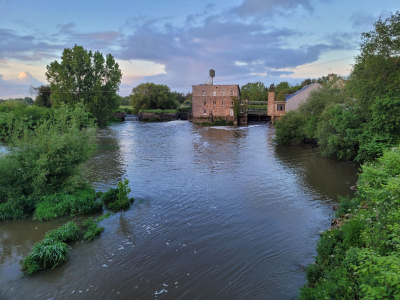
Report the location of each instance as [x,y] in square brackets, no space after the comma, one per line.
[117,199]
[48,159]
[17,209]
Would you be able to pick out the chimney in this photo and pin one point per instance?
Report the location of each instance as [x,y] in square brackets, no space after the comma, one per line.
[330,77]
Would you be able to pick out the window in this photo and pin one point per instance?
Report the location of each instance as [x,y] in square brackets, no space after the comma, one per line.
[203,93]
[205,103]
[231,112]
[214,103]
[223,103]
[241,110]
[280,107]
[223,93]
[231,93]
[215,93]
[241,102]
[204,112]
[231,103]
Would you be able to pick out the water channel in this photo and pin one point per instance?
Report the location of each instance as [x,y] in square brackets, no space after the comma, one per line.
[220,213]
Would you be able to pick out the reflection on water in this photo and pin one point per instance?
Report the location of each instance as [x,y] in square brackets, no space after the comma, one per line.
[220,213]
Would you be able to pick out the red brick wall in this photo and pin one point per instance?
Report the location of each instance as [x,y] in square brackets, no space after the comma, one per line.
[206,102]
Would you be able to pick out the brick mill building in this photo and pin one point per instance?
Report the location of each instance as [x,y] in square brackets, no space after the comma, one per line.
[212,103]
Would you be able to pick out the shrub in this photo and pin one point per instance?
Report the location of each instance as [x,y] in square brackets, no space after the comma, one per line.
[117,199]
[17,209]
[48,159]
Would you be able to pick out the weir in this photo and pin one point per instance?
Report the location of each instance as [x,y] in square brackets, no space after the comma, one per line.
[134,118]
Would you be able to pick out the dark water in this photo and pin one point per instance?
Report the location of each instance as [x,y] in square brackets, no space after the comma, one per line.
[220,213]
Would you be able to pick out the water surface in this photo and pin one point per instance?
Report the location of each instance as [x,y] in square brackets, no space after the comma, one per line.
[220,213]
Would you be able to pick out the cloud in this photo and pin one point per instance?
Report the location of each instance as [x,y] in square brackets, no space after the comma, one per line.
[24,47]
[252,8]
[362,20]
[189,51]
[17,87]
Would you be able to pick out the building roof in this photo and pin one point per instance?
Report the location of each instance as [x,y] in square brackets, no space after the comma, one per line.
[287,97]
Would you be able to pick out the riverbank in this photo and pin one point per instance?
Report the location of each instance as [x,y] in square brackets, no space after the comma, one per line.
[359,257]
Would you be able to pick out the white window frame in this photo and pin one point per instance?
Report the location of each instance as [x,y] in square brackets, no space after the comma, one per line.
[203,93]
[223,93]
[204,112]
[241,110]
[231,103]
[231,112]
[223,103]
[241,102]
[205,103]
[214,93]
[231,93]
[214,103]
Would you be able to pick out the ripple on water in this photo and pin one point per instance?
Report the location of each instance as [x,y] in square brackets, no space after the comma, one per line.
[226,214]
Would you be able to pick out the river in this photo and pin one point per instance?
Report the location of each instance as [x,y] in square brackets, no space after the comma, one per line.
[220,213]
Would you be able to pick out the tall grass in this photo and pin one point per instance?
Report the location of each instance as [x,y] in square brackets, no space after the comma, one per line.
[78,203]
[52,250]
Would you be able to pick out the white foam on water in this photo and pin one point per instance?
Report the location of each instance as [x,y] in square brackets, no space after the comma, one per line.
[160,292]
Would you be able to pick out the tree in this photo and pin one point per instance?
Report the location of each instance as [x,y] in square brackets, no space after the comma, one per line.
[377,67]
[88,77]
[284,85]
[272,87]
[152,96]
[42,96]
[254,91]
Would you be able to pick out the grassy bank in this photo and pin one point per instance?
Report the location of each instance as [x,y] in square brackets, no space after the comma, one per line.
[359,257]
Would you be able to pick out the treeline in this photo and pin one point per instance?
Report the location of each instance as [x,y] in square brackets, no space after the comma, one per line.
[359,256]
[151,96]
[361,120]
[257,91]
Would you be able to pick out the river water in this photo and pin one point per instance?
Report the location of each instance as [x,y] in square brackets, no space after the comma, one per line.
[220,213]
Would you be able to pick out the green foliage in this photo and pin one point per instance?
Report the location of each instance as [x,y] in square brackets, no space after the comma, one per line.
[255,91]
[48,253]
[117,199]
[78,203]
[43,94]
[47,159]
[17,209]
[361,259]
[68,232]
[103,217]
[92,230]
[148,96]
[52,250]
[84,76]
[290,130]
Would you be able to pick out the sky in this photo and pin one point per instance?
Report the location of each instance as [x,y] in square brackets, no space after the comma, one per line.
[177,42]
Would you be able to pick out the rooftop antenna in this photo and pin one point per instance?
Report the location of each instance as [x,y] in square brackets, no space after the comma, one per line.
[210,80]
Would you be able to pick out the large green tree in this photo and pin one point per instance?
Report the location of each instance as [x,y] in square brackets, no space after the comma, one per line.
[254,91]
[152,96]
[42,96]
[85,76]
